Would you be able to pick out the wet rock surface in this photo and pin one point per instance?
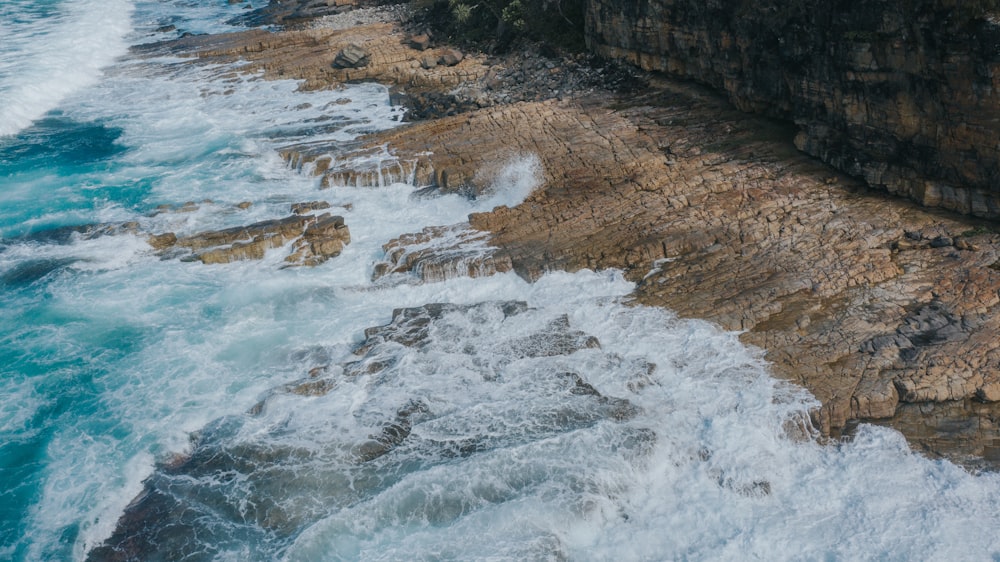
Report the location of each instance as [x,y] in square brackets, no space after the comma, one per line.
[875,305]
[315,239]
[270,473]
[867,301]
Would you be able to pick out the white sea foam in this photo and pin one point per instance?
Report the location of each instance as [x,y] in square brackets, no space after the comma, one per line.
[706,470]
[517,179]
[45,60]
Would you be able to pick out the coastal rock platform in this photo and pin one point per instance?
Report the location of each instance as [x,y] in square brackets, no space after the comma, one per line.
[874,304]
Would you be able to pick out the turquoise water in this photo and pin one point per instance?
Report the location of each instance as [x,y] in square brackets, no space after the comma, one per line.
[115,363]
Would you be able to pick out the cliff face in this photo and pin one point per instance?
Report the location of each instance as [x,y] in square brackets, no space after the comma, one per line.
[903,94]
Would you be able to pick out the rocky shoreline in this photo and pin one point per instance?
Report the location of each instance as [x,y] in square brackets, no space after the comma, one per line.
[882,309]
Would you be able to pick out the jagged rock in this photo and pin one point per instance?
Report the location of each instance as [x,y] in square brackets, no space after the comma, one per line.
[323,239]
[234,480]
[162,241]
[462,256]
[716,216]
[308,207]
[351,56]
[710,211]
[316,239]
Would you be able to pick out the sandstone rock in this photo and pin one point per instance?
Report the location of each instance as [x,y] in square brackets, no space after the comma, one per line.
[308,207]
[162,241]
[322,239]
[304,54]
[715,216]
[351,56]
[428,62]
[316,239]
[710,211]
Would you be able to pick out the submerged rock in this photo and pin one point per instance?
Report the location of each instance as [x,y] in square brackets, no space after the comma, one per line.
[442,392]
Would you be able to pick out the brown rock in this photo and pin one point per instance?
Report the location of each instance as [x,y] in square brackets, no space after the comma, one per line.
[306,208]
[428,62]
[715,216]
[902,101]
[450,57]
[322,239]
[316,239]
[162,241]
[304,54]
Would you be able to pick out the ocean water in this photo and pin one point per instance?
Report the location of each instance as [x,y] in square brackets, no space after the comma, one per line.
[669,440]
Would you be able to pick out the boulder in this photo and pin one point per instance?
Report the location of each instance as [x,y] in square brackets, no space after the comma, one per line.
[419,42]
[450,57]
[428,62]
[315,239]
[351,56]
[323,239]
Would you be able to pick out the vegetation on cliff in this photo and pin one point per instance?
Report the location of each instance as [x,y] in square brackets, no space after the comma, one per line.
[496,25]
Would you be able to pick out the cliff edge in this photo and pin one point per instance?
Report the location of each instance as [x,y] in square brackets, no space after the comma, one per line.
[902,94]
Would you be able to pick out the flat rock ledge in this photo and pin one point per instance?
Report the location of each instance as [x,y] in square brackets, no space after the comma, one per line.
[870,302]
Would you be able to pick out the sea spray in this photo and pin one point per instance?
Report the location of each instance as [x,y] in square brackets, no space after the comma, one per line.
[50,53]
[114,362]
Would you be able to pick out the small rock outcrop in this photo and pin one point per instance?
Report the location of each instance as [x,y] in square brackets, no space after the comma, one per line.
[316,239]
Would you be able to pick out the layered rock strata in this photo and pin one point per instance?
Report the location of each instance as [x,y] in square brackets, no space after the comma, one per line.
[869,302]
[314,239]
[903,95]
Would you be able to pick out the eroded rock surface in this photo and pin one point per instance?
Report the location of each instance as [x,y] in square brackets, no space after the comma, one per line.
[316,239]
[866,300]
[875,305]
